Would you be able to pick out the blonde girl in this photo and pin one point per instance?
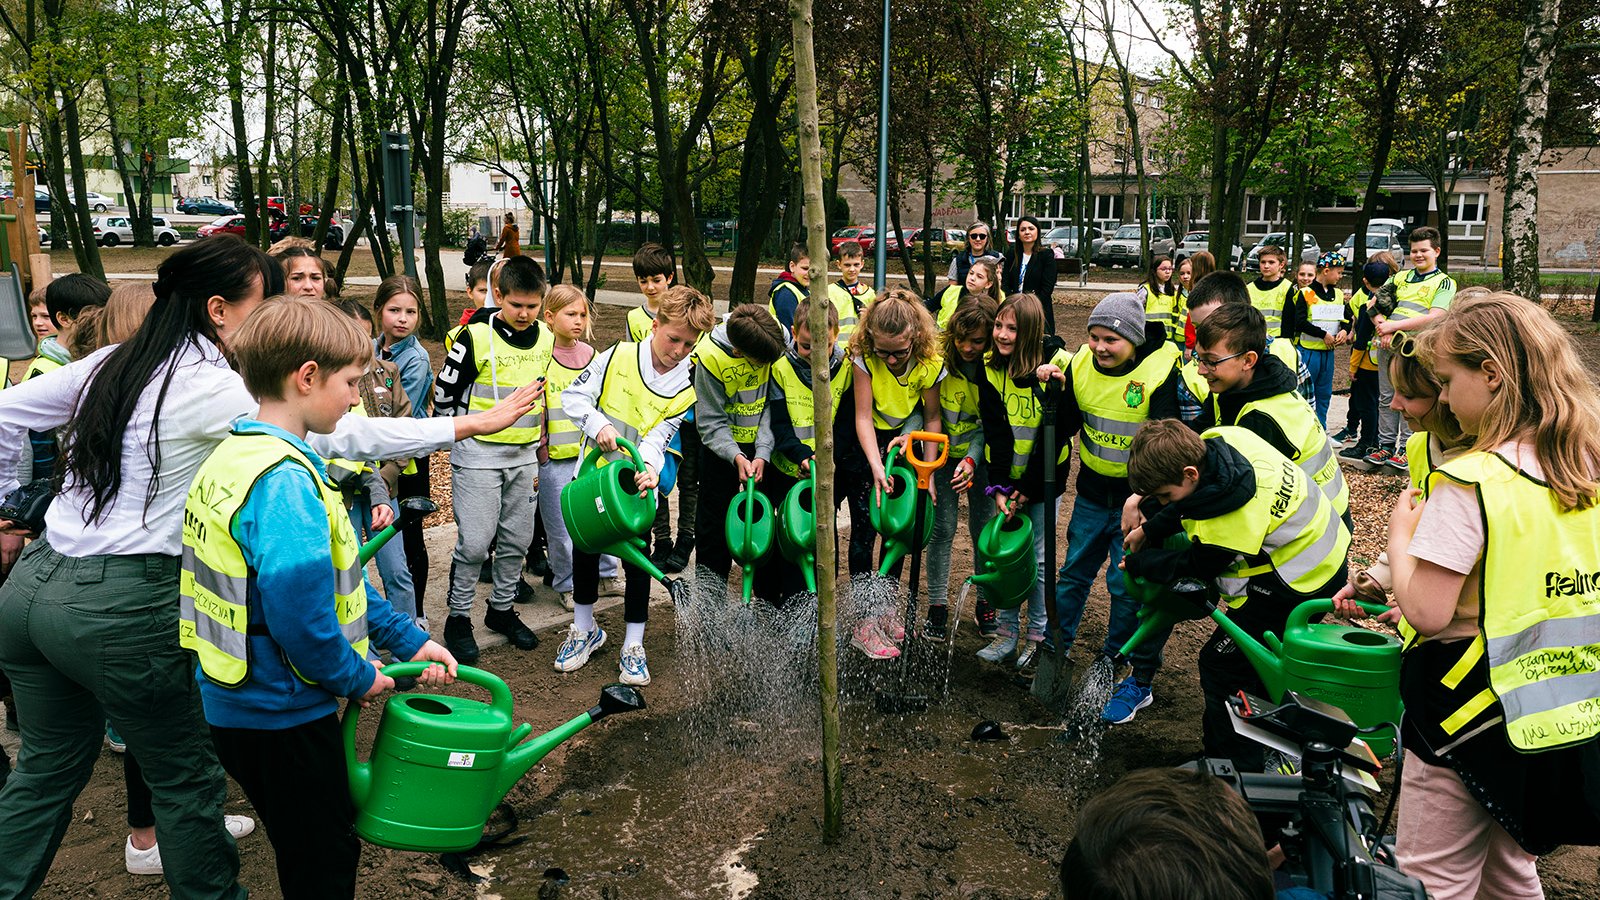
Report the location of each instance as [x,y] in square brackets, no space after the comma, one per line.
[1492,571]
[896,391]
[566,313]
[965,342]
[1008,394]
[983,280]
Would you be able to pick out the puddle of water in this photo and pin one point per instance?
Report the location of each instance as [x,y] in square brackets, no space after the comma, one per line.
[739,880]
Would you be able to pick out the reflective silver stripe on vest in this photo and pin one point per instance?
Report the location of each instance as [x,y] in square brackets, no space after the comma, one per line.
[894,421]
[566,437]
[355,632]
[749,395]
[1100,451]
[1548,694]
[1308,560]
[208,630]
[1409,306]
[345,581]
[1111,426]
[1021,433]
[805,432]
[234,590]
[1582,631]
[624,430]
[1314,467]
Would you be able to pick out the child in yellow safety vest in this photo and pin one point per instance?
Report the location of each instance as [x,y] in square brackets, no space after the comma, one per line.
[1493,571]
[1318,320]
[1360,433]
[655,270]
[983,280]
[273,599]
[896,387]
[1270,292]
[1420,294]
[965,341]
[1163,299]
[850,295]
[1258,529]
[1125,375]
[638,392]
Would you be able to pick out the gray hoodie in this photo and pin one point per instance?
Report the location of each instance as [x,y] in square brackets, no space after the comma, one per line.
[711,412]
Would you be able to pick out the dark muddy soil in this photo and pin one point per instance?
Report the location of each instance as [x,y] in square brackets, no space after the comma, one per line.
[715,789]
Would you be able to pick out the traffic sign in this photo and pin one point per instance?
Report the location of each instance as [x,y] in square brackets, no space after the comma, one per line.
[515,192]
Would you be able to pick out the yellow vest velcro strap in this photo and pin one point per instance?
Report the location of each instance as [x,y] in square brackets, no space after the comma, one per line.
[1458,672]
[1469,711]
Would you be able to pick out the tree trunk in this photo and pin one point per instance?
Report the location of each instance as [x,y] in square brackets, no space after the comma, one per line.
[764,167]
[78,187]
[1520,225]
[810,143]
[233,25]
[269,67]
[114,131]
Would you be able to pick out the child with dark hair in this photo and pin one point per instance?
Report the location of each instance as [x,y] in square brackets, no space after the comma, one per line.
[731,377]
[478,295]
[655,270]
[1318,321]
[1360,431]
[791,286]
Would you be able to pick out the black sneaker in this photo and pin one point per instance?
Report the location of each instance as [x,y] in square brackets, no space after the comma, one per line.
[524,592]
[679,559]
[937,626]
[986,619]
[1356,453]
[538,566]
[459,641]
[662,553]
[1345,436]
[486,573]
[505,621]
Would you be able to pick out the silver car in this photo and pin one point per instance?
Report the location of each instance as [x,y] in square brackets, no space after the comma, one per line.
[110,231]
[1063,240]
[1309,251]
[1195,241]
[1122,248]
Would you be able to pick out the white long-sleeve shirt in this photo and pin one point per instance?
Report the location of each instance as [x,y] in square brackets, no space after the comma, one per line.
[581,400]
[204,397]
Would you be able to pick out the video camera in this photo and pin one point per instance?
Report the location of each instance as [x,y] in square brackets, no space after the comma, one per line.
[1331,837]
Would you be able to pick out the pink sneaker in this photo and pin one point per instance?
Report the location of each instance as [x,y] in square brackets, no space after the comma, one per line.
[872,642]
[893,627]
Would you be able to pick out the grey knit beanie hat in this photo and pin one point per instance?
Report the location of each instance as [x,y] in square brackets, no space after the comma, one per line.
[1122,313]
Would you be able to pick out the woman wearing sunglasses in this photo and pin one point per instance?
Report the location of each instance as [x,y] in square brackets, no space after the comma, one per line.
[980,243]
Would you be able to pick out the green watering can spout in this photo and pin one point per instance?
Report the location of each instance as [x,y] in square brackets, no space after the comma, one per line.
[440,764]
[749,530]
[1267,663]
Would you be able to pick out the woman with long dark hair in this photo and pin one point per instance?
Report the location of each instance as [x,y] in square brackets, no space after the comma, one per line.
[89,616]
[1031,269]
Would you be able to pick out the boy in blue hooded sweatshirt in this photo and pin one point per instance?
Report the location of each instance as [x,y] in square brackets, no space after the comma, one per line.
[274,600]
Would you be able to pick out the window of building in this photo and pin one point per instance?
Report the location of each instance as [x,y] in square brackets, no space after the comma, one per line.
[1468,215]
[1155,101]
[1138,98]
[205,181]
[1198,215]
[1122,126]
[497,185]
[1108,210]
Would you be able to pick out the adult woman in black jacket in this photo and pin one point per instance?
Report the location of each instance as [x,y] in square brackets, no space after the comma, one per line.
[1031,268]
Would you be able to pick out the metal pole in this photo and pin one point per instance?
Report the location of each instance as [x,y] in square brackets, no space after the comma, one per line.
[545,199]
[881,254]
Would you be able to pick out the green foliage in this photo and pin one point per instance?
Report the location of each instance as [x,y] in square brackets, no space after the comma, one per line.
[457,225]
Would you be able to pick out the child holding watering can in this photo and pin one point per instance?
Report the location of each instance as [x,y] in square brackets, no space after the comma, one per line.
[965,340]
[638,392]
[897,372]
[1015,473]
[794,428]
[1491,571]
[1258,526]
[274,601]
[733,368]
[1125,375]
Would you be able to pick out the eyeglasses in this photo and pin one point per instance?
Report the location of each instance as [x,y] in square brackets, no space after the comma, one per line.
[902,353]
[1200,362]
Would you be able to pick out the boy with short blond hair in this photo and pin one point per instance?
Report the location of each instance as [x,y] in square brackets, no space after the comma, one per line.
[495,478]
[274,601]
[850,295]
[639,392]
[655,270]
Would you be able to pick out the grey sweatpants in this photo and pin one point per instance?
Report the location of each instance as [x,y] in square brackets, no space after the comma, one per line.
[492,507]
[1392,429]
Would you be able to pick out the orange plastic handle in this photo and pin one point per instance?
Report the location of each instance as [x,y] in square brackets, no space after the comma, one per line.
[926,467]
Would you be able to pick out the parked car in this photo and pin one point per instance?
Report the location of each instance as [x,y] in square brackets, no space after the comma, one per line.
[275,204]
[1063,239]
[224,224]
[1195,241]
[1309,251]
[891,244]
[109,231]
[866,238]
[308,226]
[1377,242]
[942,240]
[851,233]
[206,206]
[41,198]
[97,202]
[1122,248]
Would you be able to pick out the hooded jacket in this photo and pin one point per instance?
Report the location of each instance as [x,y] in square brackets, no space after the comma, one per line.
[1227,482]
[711,410]
[1272,378]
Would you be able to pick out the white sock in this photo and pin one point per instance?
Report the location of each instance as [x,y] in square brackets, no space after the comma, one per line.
[635,635]
[583,616]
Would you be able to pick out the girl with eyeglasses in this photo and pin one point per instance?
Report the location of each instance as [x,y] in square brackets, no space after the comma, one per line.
[896,390]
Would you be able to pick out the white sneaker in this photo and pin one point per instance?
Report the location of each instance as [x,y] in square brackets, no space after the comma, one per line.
[635,670]
[566,601]
[612,587]
[148,862]
[998,649]
[575,650]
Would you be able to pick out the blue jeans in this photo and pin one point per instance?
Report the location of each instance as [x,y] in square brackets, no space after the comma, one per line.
[1320,364]
[1008,620]
[1093,537]
[946,516]
[391,560]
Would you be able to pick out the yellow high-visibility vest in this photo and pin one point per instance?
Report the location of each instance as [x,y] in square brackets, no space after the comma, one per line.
[744,386]
[1114,406]
[895,397]
[627,400]
[798,400]
[1271,303]
[1314,452]
[564,434]
[502,369]
[1024,411]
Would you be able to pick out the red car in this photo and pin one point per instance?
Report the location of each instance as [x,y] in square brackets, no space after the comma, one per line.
[222,224]
[852,234]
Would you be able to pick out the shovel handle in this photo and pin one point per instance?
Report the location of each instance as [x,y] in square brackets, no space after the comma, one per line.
[926,467]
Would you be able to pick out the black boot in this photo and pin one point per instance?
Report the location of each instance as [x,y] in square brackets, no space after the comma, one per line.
[985,615]
[538,565]
[663,552]
[505,622]
[678,560]
[459,641]
[938,621]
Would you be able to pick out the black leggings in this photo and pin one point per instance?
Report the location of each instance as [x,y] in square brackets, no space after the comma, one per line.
[417,485]
[635,593]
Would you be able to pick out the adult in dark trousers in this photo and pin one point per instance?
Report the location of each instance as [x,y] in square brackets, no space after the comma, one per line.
[980,243]
[1030,268]
[89,616]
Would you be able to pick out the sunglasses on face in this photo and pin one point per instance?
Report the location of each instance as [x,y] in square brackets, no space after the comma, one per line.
[978,237]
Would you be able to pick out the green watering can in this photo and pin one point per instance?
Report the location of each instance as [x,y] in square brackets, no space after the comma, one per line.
[749,529]
[1007,568]
[606,513]
[896,514]
[797,528]
[441,764]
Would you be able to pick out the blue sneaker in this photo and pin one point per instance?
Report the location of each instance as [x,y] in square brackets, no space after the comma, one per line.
[635,670]
[118,745]
[1126,701]
[576,648]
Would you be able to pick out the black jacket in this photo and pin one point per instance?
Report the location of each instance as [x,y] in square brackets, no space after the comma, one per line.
[1227,482]
[1040,279]
[1272,378]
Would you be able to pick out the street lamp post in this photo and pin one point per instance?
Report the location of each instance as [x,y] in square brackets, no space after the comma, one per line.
[881,254]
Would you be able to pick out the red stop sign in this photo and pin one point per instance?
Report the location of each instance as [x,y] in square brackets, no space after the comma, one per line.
[515,192]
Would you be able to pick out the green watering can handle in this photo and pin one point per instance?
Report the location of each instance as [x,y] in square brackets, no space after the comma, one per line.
[499,694]
[1301,616]
[588,464]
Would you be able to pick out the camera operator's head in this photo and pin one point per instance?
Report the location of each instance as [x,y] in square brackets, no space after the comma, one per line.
[1167,834]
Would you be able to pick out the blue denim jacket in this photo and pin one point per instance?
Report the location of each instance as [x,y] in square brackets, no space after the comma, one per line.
[416,372]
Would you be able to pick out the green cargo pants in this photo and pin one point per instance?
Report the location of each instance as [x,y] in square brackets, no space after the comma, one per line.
[87,640]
